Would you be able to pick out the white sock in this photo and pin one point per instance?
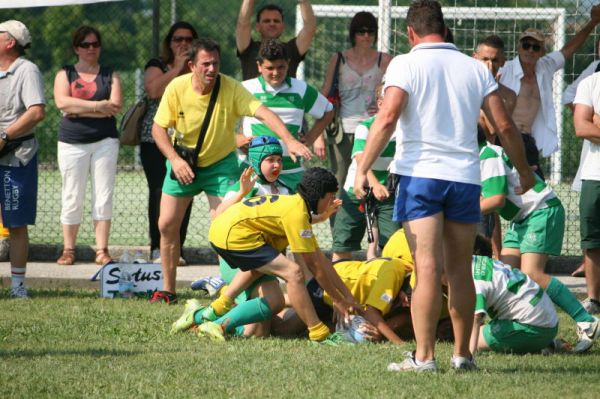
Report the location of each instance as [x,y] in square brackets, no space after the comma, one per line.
[18,276]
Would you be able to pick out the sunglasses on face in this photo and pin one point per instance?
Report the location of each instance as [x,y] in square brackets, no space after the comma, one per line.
[535,47]
[179,39]
[89,44]
[365,32]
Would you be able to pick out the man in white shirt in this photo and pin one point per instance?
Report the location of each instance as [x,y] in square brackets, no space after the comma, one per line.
[530,75]
[587,102]
[435,93]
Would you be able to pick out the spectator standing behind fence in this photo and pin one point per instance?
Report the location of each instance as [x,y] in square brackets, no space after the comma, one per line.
[160,72]
[19,113]
[89,96]
[270,25]
[360,71]
[437,198]
[530,75]
[183,108]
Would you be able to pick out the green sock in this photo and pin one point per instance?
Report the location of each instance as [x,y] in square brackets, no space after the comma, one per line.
[251,311]
[565,300]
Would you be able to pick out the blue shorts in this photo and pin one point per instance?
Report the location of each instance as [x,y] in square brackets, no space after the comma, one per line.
[418,197]
[18,197]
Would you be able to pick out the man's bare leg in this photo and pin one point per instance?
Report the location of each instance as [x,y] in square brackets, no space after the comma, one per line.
[459,239]
[172,211]
[425,238]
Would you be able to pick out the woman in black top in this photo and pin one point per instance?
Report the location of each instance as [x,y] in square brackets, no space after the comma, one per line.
[159,73]
[89,96]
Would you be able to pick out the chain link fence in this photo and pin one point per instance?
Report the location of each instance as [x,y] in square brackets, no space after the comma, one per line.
[126,28]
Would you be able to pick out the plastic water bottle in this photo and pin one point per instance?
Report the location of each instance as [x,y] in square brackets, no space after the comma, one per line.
[125,282]
[139,257]
[125,257]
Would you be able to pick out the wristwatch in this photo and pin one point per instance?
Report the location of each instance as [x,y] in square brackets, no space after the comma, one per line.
[3,135]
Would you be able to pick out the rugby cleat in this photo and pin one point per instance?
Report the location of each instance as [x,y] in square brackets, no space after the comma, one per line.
[212,331]
[210,285]
[460,363]
[587,332]
[186,321]
[410,364]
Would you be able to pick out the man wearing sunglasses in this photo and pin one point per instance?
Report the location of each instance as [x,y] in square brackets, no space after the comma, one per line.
[21,108]
[270,25]
[530,75]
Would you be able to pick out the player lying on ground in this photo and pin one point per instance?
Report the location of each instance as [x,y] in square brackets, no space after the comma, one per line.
[252,235]
[536,231]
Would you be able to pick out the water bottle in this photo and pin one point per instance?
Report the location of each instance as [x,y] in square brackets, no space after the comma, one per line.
[125,257]
[139,257]
[125,282]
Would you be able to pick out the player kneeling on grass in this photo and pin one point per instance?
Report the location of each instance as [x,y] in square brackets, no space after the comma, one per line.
[523,318]
[536,231]
[252,235]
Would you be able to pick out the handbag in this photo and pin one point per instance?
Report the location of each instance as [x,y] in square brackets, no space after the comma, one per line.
[333,132]
[12,145]
[131,124]
[190,156]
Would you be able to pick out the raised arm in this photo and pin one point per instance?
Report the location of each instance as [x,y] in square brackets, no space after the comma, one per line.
[307,33]
[243,28]
[573,45]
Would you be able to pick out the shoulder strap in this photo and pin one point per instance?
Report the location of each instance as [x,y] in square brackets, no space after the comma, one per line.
[379,59]
[333,91]
[211,106]
[71,72]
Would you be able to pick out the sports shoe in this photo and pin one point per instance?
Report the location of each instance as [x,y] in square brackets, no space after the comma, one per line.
[409,364]
[186,320]
[334,339]
[558,345]
[155,256]
[587,332]
[182,262]
[210,285]
[460,363]
[19,292]
[211,330]
[591,306]
[163,296]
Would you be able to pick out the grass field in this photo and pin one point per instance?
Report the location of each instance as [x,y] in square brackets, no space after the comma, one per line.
[71,344]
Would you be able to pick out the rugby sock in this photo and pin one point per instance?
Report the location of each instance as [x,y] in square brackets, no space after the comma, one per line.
[222,305]
[318,332]
[18,276]
[565,300]
[252,311]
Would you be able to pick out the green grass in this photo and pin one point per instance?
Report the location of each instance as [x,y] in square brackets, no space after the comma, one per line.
[69,343]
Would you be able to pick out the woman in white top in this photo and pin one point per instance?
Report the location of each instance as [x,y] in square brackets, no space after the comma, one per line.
[361,68]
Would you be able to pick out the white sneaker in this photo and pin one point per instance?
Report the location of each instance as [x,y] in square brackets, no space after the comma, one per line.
[587,332]
[460,363]
[591,306]
[410,364]
[19,292]
[155,256]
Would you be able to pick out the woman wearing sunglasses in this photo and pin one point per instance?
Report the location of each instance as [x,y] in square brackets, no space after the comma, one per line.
[361,68]
[159,73]
[89,96]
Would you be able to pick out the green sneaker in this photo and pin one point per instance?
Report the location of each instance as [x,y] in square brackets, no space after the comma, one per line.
[186,320]
[334,339]
[212,331]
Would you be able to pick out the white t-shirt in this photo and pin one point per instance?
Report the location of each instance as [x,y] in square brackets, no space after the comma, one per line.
[588,93]
[436,134]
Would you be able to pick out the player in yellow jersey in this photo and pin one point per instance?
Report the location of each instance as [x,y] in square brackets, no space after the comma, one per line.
[251,235]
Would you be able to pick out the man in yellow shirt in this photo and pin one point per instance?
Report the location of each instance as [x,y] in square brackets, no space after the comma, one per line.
[182,109]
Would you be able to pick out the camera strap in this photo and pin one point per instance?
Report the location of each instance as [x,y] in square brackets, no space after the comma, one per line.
[207,117]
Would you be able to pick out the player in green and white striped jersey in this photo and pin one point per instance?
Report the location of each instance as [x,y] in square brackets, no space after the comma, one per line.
[350,224]
[523,318]
[536,231]
[290,99]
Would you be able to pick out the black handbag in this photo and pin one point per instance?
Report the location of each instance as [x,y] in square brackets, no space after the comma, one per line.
[333,131]
[12,145]
[189,155]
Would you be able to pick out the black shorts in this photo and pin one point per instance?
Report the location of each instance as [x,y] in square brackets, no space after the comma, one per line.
[247,259]
[324,311]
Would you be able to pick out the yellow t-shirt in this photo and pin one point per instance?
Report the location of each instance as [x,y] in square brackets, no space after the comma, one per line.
[183,109]
[397,247]
[375,282]
[275,220]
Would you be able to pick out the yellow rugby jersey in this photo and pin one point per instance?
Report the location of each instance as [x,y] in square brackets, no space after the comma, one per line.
[375,282]
[397,247]
[275,220]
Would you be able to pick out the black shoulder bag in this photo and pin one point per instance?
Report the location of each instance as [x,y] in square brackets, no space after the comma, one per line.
[187,154]
[334,133]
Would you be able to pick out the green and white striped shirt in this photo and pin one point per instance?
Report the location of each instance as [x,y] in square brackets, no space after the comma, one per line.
[290,102]
[499,176]
[508,294]
[381,165]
